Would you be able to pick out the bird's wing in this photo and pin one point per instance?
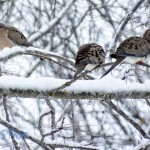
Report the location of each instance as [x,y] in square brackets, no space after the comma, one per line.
[96,54]
[133,46]
[82,53]
[91,53]
[17,37]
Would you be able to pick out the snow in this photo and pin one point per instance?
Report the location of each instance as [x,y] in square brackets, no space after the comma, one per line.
[118,31]
[106,84]
[45,109]
[69,144]
[17,49]
[144,18]
[46,27]
[9,51]
[143,144]
[40,84]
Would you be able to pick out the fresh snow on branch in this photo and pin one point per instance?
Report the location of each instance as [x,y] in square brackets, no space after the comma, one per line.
[8,53]
[108,87]
[52,23]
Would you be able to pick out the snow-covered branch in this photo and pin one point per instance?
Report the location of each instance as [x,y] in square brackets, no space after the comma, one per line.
[123,25]
[52,23]
[108,87]
[8,53]
[48,145]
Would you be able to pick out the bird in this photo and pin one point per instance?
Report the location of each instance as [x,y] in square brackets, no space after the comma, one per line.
[133,50]
[88,57]
[10,36]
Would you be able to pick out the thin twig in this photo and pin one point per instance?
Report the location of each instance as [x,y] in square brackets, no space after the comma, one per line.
[148,102]
[53,124]
[7,119]
[132,122]
[40,122]
[55,130]
[12,128]
[26,144]
[123,24]
[52,132]
[53,22]
[73,119]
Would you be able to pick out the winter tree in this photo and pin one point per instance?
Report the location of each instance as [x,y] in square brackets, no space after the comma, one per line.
[42,107]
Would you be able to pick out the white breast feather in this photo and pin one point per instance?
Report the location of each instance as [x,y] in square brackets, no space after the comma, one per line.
[134,60]
[89,67]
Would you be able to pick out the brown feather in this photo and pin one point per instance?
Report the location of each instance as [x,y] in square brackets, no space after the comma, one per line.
[17,37]
[79,69]
[11,35]
[146,35]
[90,53]
[134,46]
[4,40]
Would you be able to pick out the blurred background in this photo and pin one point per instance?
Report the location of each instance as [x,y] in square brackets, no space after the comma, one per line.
[90,122]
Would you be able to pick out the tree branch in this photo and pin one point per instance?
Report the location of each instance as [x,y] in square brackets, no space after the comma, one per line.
[92,89]
[132,122]
[12,128]
[9,53]
[52,23]
[7,119]
[46,146]
[123,24]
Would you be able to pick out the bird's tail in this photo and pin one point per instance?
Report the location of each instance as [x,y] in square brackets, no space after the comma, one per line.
[118,60]
[79,69]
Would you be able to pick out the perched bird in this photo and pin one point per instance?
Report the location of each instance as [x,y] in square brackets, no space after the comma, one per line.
[9,36]
[133,50]
[88,56]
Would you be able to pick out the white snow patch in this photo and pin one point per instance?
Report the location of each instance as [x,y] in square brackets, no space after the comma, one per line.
[45,109]
[69,143]
[9,51]
[50,25]
[106,84]
[144,18]
[16,49]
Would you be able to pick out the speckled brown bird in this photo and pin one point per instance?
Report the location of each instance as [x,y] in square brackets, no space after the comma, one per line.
[9,36]
[133,50]
[88,56]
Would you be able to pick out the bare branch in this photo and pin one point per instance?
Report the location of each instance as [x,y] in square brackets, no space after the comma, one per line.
[53,124]
[7,119]
[12,128]
[43,145]
[52,24]
[123,24]
[132,122]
